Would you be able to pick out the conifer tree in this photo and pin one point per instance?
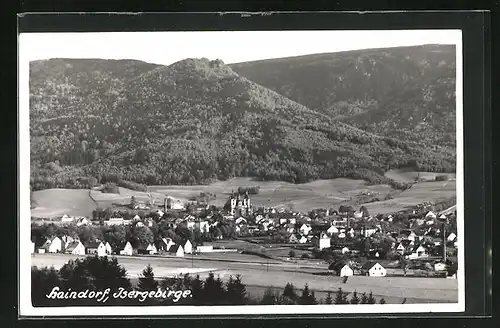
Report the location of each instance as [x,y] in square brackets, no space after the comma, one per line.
[364,299]
[307,297]
[197,290]
[269,298]
[147,280]
[371,299]
[236,291]
[355,299]
[329,299]
[340,297]
[289,293]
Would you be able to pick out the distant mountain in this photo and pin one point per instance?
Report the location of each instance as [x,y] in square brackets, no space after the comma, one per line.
[193,122]
[404,92]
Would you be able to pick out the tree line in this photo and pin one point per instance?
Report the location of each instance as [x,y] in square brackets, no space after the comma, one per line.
[99,273]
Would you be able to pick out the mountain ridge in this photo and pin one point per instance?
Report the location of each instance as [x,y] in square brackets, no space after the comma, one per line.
[195,121]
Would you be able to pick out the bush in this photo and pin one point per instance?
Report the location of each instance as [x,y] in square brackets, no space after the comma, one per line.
[132,185]
[111,188]
[441,178]
[292,253]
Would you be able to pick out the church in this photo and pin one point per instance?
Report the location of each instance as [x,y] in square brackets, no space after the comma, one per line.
[238,205]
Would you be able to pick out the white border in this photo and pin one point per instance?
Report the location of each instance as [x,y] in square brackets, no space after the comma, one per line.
[24,253]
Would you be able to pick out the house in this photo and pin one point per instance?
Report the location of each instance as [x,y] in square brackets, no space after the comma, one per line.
[373,269]
[341,235]
[165,244]
[341,269]
[188,247]
[430,215]
[293,239]
[412,236]
[109,249]
[358,215]
[160,213]
[203,226]
[370,231]
[96,248]
[66,240]
[302,239]
[127,249]
[345,250]
[41,250]
[82,221]
[451,237]
[400,249]
[139,224]
[204,248]
[114,221]
[75,248]
[332,230]
[323,241]
[304,229]
[67,219]
[53,245]
[240,220]
[418,252]
[147,249]
[177,250]
[440,266]
[190,224]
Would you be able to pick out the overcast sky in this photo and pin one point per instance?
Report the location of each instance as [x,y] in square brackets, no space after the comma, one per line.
[230,46]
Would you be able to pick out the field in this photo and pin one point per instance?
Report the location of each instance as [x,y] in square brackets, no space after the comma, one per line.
[259,275]
[431,191]
[404,175]
[57,202]
[298,197]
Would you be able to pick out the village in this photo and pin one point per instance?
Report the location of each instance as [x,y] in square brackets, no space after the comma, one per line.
[346,241]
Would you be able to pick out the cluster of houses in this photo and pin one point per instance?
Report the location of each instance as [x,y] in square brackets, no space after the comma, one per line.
[328,229]
[69,245]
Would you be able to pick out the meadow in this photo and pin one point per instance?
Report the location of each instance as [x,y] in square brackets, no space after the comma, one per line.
[297,197]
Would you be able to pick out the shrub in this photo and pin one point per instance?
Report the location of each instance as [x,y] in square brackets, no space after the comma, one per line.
[111,188]
[441,178]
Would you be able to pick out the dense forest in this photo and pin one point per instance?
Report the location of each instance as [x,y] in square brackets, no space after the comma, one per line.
[197,121]
[403,92]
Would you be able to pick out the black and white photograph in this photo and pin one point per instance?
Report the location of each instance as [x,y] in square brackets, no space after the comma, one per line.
[241,172]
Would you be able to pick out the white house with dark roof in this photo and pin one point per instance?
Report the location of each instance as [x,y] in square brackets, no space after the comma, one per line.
[304,229]
[188,247]
[177,250]
[127,249]
[75,248]
[373,269]
[324,241]
[96,248]
[341,268]
[53,245]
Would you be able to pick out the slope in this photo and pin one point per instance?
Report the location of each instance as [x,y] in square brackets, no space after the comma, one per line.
[395,84]
[197,120]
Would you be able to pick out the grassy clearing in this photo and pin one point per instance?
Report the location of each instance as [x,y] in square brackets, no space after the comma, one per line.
[299,197]
[57,202]
[420,192]
[403,175]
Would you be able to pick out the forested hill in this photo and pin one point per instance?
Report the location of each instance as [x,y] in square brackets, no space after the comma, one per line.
[193,122]
[403,92]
